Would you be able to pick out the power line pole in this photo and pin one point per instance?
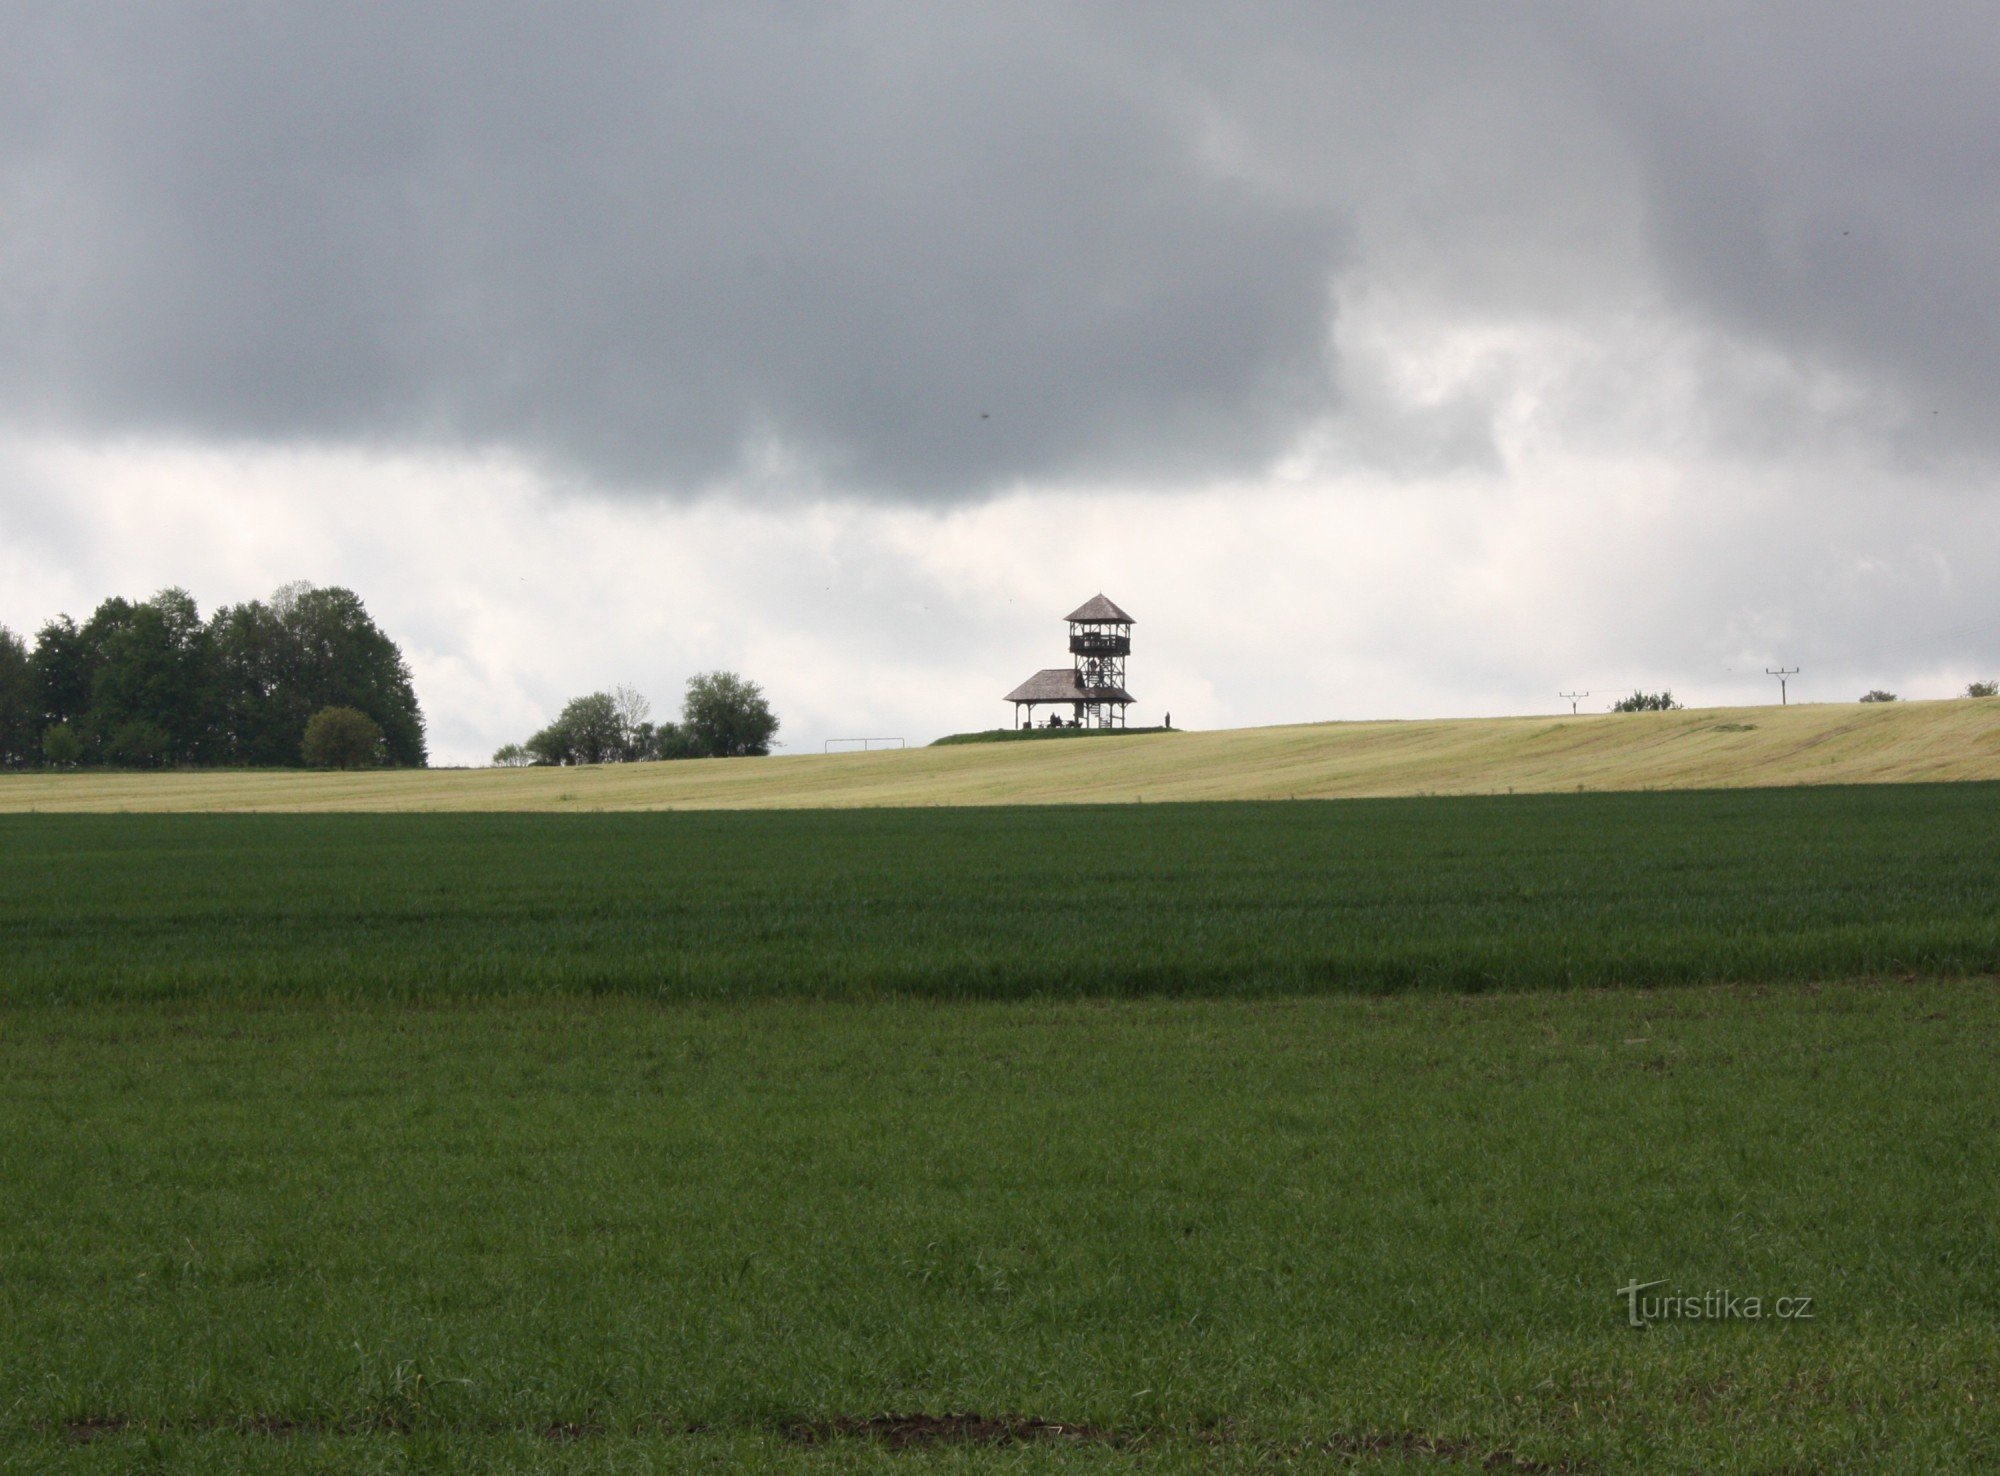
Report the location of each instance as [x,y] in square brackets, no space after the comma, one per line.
[1571,697]
[1781,672]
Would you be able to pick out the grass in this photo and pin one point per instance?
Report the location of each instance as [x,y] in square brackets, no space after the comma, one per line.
[1835,743]
[1237,1137]
[1036,735]
[611,1235]
[1508,893]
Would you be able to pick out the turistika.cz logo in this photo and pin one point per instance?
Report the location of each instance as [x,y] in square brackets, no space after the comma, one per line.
[1642,1310]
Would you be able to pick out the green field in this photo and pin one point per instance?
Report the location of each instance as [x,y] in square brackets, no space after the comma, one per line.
[612,1235]
[1151,1138]
[1515,892]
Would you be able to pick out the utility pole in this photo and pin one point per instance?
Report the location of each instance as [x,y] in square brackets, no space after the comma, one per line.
[1781,672]
[1571,697]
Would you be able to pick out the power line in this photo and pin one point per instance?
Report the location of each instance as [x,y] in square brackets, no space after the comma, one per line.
[1781,672]
[1571,697]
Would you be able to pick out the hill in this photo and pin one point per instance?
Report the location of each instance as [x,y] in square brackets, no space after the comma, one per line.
[1038,735]
[1830,743]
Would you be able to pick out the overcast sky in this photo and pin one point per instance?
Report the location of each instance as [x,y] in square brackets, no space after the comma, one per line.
[1383,361]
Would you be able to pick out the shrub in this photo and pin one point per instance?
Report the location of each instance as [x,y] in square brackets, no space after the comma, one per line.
[61,748]
[1983,689]
[672,741]
[1647,702]
[139,745]
[1878,695]
[342,738]
[512,756]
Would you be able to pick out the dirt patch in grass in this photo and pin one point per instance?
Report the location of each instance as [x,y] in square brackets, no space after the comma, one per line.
[563,1434]
[95,1427]
[922,1431]
[277,1427]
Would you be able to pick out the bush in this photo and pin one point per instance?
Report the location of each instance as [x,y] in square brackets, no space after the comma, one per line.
[1878,695]
[139,745]
[1647,702]
[511,756]
[61,748]
[1983,689]
[671,741]
[342,738]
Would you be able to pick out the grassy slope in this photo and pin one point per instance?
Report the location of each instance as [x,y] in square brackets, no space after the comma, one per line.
[1039,735]
[1504,892]
[606,1235]
[1819,744]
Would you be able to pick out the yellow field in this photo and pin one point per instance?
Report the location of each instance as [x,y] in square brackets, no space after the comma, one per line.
[1713,748]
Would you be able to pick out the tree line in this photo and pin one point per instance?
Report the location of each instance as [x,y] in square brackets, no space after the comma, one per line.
[151,684]
[1664,701]
[722,716]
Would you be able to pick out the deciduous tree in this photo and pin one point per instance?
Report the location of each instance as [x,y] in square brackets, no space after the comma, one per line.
[587,731]
[725,716]
[20,704]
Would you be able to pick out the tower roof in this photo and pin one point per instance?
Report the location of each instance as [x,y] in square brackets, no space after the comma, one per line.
[1099,611]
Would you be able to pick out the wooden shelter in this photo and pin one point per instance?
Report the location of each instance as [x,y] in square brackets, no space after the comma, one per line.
[1093,685]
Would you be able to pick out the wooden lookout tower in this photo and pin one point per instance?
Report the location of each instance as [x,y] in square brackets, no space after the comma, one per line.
[1092,686]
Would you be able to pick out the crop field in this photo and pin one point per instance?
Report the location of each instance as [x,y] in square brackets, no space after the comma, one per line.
[1235,1137]
[1509,892]
[1716,748]
[1382,1234]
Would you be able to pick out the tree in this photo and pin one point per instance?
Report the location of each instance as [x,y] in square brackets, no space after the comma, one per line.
[602,728]
[68,660]
[262,713]
[511,756]
[280,661]
[152,683]
[1983,689]
[153,696]
[63,671]
[342,738]
[1647,702]
[635,734]
[587,731]
[20,704]
[1878,695]
[725,716]
[339,658]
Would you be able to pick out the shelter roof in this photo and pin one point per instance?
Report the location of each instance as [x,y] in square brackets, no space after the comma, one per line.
[1099,611]
[1063,684]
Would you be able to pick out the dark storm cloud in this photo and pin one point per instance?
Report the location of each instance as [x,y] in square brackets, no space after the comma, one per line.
[1826,180]
[898,246]
[933,249]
